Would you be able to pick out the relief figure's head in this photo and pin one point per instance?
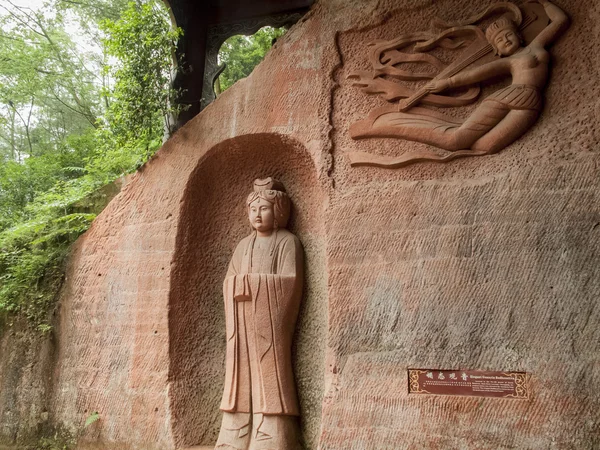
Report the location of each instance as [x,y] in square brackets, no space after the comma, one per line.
[503,36]
[268,206]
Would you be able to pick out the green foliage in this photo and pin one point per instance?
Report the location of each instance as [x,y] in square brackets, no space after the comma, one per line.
[242,53]
[54,444]
[143,43]
[46,92]
[31,262]
[44,328]
[95,416]
[60,439]
[71,121]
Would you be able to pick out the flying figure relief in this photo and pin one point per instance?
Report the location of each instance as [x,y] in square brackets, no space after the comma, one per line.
[513,45]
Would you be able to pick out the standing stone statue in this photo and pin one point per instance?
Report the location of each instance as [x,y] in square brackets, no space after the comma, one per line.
[262,292]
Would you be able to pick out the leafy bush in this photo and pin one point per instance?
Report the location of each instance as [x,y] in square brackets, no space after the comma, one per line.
[72,121]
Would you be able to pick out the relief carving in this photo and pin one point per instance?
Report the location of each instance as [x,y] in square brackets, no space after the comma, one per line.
[262,292]
[513,45]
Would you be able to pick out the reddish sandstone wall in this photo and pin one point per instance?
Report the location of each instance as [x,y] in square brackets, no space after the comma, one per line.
[140,340]
[488,263]
[483,263]
[26,361]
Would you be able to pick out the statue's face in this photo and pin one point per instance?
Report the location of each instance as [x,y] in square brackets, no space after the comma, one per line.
[261,215]
[506,42]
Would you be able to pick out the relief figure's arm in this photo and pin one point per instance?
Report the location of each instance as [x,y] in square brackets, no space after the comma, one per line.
[472,76]
[559,23]
[484,72]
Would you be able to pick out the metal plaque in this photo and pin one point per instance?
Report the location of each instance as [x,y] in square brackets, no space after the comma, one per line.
[475,383]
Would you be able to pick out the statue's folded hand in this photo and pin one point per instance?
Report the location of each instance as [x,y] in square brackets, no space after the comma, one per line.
[241,292]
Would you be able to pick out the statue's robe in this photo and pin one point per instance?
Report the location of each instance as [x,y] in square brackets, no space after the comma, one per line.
[262,292]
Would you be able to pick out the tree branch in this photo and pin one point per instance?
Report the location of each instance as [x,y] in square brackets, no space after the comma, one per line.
[88,116]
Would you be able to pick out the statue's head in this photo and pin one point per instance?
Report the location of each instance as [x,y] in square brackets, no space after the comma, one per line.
[268,205]
[503,36]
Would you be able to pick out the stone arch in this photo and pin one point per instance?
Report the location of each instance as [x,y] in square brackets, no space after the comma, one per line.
[212,221]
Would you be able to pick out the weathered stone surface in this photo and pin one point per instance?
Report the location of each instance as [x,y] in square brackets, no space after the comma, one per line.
[142,320]
[486,265]
[490,263]
[25,382]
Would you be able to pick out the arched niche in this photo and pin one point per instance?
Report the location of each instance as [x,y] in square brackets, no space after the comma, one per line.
[213,220]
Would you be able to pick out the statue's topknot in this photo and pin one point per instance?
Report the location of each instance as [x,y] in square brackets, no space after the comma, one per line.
[268,184]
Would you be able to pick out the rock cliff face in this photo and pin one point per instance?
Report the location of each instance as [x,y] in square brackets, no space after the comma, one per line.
[26,363]
[489,263]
